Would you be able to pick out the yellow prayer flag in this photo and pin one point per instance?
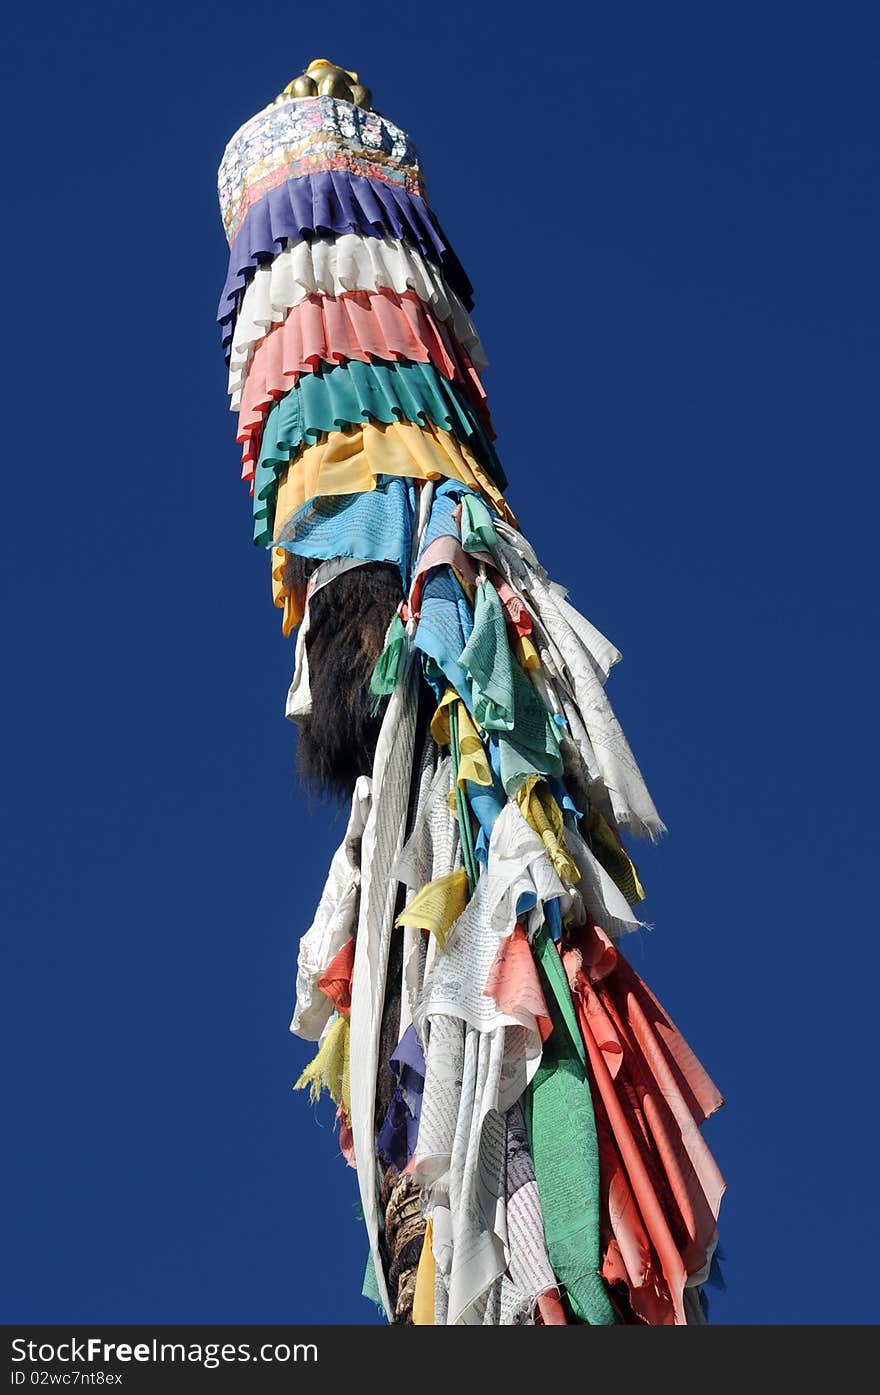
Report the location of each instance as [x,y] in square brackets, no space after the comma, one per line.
[438,905]
[423,1298]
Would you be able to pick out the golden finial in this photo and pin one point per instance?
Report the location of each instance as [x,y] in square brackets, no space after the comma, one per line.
[325,79]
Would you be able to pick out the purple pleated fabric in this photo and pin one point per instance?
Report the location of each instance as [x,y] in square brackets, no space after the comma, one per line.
[328,204]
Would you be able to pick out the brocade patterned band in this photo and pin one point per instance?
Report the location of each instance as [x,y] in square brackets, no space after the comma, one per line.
[278,136]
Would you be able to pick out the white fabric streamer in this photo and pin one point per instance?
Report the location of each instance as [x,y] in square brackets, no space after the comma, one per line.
[299,694]
[432,850]
[479,1060]
[382,841]
[602,897]
[334,920]
[460,1160]
[582,661]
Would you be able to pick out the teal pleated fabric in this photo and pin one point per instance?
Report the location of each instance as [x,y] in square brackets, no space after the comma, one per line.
[346,394]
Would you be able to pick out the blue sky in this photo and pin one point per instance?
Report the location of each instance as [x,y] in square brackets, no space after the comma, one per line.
[670,216]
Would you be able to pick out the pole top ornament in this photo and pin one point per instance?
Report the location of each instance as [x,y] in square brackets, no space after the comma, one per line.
[321,78]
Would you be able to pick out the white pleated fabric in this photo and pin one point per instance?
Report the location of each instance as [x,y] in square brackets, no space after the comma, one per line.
[331,267]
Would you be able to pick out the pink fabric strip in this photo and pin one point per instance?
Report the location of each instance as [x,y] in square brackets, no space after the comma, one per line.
[512,981]
[444,551]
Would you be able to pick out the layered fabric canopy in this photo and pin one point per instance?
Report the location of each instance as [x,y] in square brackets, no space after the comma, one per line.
[540,1160]
[325,267]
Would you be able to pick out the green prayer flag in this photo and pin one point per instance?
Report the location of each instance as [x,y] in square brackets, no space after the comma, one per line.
[383,679]
[565,1149]
[477,529]
[370,1287]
